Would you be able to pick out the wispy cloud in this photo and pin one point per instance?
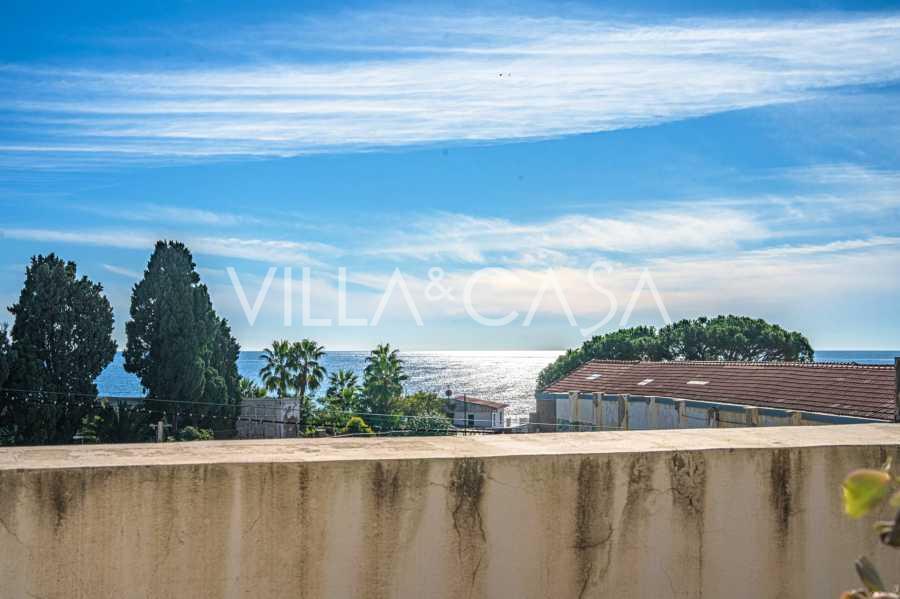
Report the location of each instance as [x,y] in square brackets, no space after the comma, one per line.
[125,272]
[478,240]
[437,79]
[161,213]
[268,251]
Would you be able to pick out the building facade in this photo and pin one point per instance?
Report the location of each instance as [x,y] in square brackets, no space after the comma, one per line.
[619,395]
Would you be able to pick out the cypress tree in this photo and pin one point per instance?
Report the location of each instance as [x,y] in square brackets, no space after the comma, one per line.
[182,352]
[5,355]
[61,341]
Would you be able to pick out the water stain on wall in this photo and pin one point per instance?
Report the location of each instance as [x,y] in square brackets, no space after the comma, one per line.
[393,511]
[593,522]
[467,485]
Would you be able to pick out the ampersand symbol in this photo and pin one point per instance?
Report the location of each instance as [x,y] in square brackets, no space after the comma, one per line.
[435,290]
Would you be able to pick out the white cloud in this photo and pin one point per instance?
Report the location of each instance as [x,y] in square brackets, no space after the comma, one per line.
[479,240]
[259,250]
[125,272]
[778,285]
[158,213]
[439,80]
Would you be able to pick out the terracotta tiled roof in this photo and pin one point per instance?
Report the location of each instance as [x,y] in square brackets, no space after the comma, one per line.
[866,391]
[482,402]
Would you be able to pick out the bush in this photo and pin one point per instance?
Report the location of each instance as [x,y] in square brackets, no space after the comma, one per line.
[192,433]
[357,426]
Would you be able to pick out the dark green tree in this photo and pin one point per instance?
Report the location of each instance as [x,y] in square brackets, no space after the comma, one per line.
[343,391]
[61,340]
[123,423]
[182,352]
[223,382]
[277,372]
[308,370]
[5,355]
[250,390]
[637,343]
[383,380]
[736,339]
[731,338]
[423,403]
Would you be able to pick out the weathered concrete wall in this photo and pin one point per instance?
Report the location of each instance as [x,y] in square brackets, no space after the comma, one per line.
[718,513]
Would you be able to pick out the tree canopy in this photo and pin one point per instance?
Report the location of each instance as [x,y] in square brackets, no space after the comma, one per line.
[62,336]
[725,338]
[277,373]
[5,354]
[61,341]
[308,370]
[343,391]
[177,345]
[383,380]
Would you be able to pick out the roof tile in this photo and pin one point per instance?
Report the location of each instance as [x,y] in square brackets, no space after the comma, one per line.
[861,390]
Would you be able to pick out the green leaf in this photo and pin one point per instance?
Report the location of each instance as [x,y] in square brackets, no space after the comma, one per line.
[864,489]
[869,575]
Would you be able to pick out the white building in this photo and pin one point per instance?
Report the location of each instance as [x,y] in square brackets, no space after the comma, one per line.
[478,413]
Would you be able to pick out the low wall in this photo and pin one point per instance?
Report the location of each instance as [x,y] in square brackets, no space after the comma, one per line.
[751,512]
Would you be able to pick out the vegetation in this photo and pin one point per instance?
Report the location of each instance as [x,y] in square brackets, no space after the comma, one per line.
[383,380]
[729,338]
[422,403]
[186,359]
[308,372]
[249,389]
[278,372]
[379,399]
[863,491]
[177,345]
[61,341]
[192,433]
[6,355]
[356,426]
[122,423]
[343,393]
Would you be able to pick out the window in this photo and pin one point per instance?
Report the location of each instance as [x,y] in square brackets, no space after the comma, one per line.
[471,419]
[592,377]
[698,382]
[645,382]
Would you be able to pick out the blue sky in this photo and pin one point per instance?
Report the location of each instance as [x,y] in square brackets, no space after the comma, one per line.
[745,155]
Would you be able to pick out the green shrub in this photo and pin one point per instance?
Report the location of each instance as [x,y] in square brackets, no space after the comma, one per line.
[192,433]
[357,426]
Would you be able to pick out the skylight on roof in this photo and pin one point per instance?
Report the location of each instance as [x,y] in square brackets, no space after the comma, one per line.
[592,377]
[698,382]
[645,382]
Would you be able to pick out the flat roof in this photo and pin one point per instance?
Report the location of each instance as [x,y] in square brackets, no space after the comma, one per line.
[860,390]
[481,446]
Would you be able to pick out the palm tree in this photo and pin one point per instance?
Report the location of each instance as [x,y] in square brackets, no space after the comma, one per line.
[343,390]
[383,380]
[308,372]
[278,372]
[249,389]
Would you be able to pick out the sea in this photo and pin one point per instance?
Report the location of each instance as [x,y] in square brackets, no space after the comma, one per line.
[505,376]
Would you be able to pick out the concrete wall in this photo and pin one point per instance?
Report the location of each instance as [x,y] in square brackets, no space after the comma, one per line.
[752,512]
[608,411]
